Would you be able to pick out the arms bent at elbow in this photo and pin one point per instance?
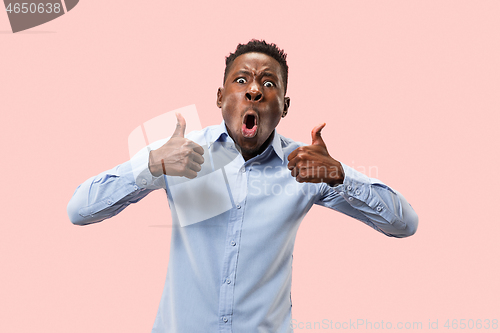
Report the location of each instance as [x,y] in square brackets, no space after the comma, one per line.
[411,226]
[73,209]
[410,221]
[82,211]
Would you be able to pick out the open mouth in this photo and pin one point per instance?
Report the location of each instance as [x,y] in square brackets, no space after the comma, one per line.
[249,126]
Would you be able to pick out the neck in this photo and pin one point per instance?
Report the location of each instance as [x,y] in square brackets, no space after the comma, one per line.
[248,155]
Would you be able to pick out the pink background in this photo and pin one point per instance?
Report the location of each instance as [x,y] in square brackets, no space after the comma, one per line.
[410,87]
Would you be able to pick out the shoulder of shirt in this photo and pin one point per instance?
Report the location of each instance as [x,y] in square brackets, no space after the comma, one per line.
[289,145]
[208,133]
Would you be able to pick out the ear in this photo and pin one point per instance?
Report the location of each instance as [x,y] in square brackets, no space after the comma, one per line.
[285,108]
[220,93]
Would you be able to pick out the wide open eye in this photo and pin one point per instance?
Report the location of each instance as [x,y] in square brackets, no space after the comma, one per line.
[269,84]
[241,80]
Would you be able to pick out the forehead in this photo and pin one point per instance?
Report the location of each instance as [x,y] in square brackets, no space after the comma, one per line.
[255,61]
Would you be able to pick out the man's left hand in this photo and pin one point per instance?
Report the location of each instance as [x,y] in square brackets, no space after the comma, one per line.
[313,164]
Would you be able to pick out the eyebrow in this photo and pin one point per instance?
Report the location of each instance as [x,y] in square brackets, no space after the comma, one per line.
[242,71]
[269,74]
[263,74]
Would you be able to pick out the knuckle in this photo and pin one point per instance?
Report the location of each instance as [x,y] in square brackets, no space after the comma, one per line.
[302,155]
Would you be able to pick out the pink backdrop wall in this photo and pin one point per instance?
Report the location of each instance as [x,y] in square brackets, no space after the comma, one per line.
[410,88]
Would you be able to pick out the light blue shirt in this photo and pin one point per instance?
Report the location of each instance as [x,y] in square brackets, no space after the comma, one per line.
[234,228]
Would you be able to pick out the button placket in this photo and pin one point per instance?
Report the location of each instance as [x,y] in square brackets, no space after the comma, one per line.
[232,246]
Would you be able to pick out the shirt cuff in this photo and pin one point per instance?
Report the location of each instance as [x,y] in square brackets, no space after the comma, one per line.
[142,175]
[357,191]
[353,180]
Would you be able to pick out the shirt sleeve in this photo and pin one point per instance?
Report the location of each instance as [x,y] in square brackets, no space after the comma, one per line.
[372,202]
[110,192]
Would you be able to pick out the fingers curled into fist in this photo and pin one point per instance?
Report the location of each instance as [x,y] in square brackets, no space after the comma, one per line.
[178,156]
[313,163]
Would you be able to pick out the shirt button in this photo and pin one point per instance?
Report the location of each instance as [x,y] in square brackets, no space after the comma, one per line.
[224,319]
[144,182]
[350,199]
[349,187]
[109,202]
[358,192]
[228,281]
[238,206]
[379,208]
[341,193]
[136,187]
[233,243]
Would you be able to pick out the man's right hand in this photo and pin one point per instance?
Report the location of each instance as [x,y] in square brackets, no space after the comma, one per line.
[179,156]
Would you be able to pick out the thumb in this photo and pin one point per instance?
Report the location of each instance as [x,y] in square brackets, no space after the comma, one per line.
[180,128]
[317,140]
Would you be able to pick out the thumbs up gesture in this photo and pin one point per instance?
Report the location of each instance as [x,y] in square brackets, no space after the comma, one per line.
[313,164]
[179,156]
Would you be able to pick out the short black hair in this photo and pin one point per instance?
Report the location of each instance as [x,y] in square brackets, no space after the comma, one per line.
[260,46]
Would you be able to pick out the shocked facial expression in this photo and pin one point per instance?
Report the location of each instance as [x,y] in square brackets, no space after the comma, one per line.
[252,101]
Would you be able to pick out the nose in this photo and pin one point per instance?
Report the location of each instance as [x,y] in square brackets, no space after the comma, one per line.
[253,93]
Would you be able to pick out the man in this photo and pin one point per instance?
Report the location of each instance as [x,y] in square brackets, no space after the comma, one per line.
[230,270]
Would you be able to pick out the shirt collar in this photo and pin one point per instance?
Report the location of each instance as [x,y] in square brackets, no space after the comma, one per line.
[219,134]
[276,144]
